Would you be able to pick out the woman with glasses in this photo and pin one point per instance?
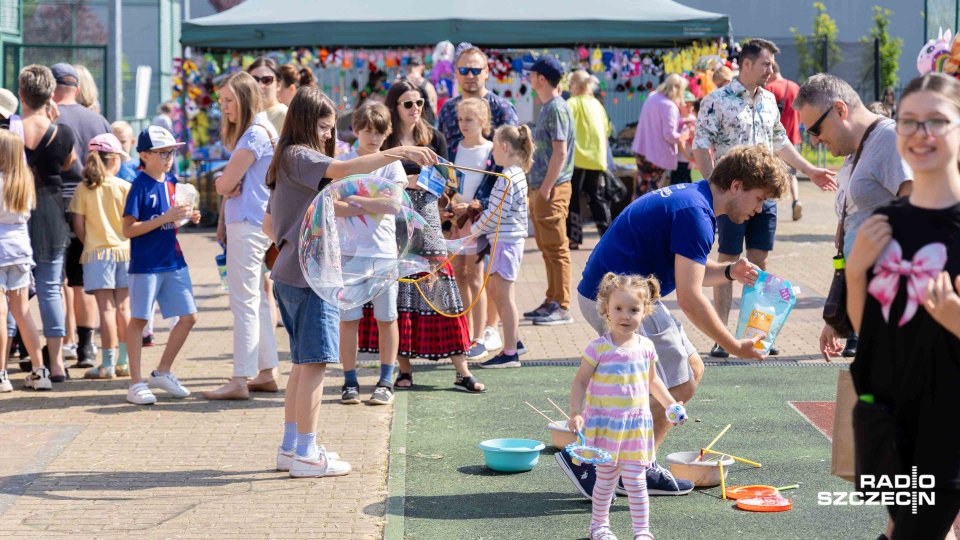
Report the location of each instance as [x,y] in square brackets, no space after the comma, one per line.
[423,331]
[266,72]
[249,136]
[902,278]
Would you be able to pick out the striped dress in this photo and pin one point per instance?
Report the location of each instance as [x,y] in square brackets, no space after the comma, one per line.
[617,415]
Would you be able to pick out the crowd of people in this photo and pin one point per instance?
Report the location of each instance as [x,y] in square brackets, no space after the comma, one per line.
[93,233]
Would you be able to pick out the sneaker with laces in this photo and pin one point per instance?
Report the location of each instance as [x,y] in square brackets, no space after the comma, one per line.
[521,348]
[140,394]
[169,383]
[502,361]
[602,533]
[539,312]
[555,315]
[583,476]
[350,394]
[148,340]
[382,395]
[491,339]
[477,350]
[285,458]
[38,379]
[70,351]
[318,465]
[661,482]
[5,385]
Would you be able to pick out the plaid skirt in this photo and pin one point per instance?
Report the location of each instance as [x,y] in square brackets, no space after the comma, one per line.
[424,333]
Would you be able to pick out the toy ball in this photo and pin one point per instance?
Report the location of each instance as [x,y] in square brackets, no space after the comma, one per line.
[676,413]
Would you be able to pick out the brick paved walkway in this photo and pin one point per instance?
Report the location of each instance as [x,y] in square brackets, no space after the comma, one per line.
[80,461]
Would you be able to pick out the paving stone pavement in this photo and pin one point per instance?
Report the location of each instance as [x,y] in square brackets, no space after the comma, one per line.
[80,461]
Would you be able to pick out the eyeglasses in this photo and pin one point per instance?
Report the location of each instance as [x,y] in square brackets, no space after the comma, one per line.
[167,154]
[476,71]
[938,127]
[815,128]
[266,80]
[411,103]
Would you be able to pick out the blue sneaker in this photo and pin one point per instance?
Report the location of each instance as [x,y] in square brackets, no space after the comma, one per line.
[477,351]
[521,348]
[583,476]
[661,482]
[502,361]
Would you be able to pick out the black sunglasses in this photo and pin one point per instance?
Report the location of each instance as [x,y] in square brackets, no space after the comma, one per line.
[411,103]
[475,71]
[266,79]
[815,128]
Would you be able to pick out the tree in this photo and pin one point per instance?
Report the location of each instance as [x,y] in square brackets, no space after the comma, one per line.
[810,49]
[889,48]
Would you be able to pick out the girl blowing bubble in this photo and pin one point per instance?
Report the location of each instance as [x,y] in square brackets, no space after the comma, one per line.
[617,376]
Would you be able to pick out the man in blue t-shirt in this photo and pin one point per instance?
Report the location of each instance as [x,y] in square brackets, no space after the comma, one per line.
[668,234]
[158,272]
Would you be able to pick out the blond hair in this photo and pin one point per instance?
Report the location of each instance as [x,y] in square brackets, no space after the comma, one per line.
[95,170]
[519,141]
[581,82]
[87,94]
[480,108]
[722,76]
[249,102]
[644,288]
[673,88]
[18,189]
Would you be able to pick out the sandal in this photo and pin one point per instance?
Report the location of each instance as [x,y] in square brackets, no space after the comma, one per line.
[468,384]
[403,377]
[123,370]
[100,372]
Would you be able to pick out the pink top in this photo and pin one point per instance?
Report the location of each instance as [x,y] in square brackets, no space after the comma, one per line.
[658,131]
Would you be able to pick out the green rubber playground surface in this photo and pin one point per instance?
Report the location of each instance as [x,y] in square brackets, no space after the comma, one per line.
[440,487]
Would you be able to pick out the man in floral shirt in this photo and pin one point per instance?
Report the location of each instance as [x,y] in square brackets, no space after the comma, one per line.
[472,73]
[743,112]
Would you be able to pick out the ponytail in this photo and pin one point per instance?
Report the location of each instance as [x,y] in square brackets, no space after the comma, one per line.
[519,140]
[95,171]
[306,78]
[18,188]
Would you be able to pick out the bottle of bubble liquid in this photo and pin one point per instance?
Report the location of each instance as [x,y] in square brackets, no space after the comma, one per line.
[222,269]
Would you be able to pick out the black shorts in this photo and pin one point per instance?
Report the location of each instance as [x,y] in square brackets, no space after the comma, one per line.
[71,266]
[758,231]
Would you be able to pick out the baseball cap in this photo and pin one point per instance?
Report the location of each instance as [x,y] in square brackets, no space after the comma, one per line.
[548,66]
[8,103]
[107,142]
[155,137]
[688,97]
[62,71]
[415,61]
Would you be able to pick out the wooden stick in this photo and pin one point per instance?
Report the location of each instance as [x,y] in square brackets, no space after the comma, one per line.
[723,484]
[558,408]
[541,414]
[785,488]
[735,458]
[714,441]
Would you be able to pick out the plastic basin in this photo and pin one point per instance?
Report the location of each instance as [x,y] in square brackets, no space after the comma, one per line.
[511,455]
[701,473]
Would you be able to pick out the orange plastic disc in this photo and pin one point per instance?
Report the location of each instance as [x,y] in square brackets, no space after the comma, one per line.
[775,503]
[750,492]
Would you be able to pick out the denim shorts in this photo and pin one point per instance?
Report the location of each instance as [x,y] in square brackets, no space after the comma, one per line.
[758,231]
[312,323]
[14,277]
[105,273]
[172,290]
[384,306]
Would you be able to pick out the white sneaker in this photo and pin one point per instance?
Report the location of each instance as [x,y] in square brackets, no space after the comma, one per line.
[70,351]
[140,394]
[318,465]
[491,339]
[38,379]
[5,385]
[169,383]
[285,458]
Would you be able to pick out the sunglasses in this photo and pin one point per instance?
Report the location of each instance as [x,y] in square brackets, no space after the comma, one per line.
[815,128]
[411,103]
[265,80]
[475,71]
[167,154]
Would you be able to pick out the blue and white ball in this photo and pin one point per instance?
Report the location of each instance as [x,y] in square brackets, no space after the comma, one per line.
[676,413]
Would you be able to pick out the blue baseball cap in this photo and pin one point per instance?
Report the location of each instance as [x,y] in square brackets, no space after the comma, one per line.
[65,74]
[155,137]
[548,66]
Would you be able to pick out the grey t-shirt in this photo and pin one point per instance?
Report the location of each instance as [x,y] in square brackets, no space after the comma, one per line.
[298,182]
[875,181]
[555,123]
[86,125]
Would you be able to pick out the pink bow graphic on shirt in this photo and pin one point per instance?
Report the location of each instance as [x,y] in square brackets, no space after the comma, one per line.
[926,264]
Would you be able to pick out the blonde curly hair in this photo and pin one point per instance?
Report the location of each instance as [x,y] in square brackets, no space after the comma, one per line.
[644,288]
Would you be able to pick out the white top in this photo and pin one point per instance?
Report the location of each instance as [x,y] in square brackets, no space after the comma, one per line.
[476,157]
[14,238]
[513,222]
[374,236]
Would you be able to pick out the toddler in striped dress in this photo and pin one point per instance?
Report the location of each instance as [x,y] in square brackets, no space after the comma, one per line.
[616,378]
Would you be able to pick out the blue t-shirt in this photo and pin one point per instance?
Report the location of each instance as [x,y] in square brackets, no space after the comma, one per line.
[644,239]
[128,170]
[158,250]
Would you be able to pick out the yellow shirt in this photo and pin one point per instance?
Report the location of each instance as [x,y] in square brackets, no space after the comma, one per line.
[277,114]
[102,210]
[591,128]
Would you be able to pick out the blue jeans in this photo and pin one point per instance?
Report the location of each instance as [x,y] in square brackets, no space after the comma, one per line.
[312,323]
[49,278]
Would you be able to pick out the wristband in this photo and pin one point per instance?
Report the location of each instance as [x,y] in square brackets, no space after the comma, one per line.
[726,273]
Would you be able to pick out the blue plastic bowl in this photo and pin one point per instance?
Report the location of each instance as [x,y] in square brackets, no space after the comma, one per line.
[511,455]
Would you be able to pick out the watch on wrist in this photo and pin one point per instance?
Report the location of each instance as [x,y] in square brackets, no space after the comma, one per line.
[726,273]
